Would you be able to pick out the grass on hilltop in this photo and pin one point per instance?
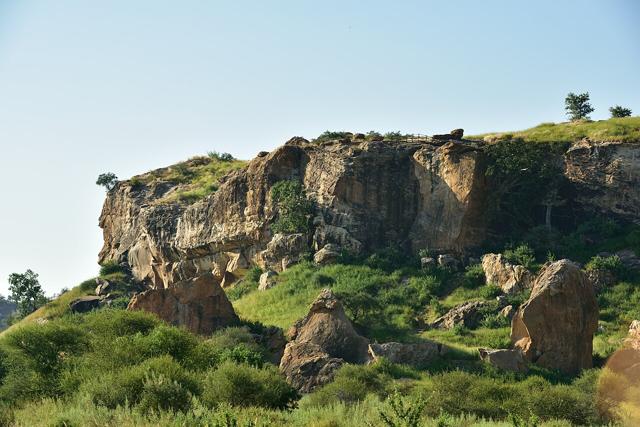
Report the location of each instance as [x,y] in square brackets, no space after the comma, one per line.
[626,129]
[196,178]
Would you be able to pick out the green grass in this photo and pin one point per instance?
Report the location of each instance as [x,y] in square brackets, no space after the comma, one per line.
[625,129]
[196,178]
[57,307]
[470,340]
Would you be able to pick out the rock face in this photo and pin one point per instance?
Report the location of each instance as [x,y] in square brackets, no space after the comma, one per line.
[85,304]
[415,354]
[511,278]
[468,315]
[367,195]
[320,343]
[200,305]
[606,176]
[555,327]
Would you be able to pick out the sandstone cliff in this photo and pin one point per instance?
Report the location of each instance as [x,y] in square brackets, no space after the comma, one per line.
[606,176]
[366,195]
[426,194]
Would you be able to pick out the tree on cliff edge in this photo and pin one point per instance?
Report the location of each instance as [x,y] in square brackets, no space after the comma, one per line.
[577,106]
[107,180]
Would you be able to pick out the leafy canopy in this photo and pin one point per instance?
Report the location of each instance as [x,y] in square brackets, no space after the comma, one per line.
[619,111]
[26,292]
[577,106]
[294,209]
[107,180]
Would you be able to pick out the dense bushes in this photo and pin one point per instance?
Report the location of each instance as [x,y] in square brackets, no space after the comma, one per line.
[116,358]
[243,385]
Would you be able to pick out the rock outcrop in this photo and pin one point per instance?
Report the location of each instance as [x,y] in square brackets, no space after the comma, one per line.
[417,354]
[555,327]
[367,195]
[468,314]
[320,343]
[327,326]
[306,366]
[511,278]
[200,305]
[606,177]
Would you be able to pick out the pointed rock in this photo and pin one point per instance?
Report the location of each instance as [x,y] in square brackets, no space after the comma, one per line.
[200,305]
[555,327]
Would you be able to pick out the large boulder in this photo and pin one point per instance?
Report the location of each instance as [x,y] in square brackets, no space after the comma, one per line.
[327,325]
[320,343]
[468,315]
[200,305]
[555,327]
[306,366]
[85,304]
[511,278]
[417,354]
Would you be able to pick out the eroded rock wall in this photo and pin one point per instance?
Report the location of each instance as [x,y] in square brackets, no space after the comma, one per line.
[366,195]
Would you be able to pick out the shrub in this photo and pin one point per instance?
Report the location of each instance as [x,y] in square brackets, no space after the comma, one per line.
[619,111]
[332,135]
[351,384]
[490,291]
[253,274]
[294,209]
[240,289]
[494,321]
[160,393]
[522,255]
[578,106]
[127,385]
[223,157]
[473,276]
[243,385]
[610,263]
[110,267]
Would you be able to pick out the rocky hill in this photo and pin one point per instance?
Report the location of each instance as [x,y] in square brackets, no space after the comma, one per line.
[428,194]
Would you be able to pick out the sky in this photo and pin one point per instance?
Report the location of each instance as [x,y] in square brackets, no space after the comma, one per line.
[128,86]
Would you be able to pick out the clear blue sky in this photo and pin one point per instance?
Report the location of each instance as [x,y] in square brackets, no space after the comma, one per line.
[126,86]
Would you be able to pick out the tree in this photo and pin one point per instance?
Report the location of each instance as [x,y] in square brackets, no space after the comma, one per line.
[619,111]
[577,106]
[26,292]
[107,180]
[294,209]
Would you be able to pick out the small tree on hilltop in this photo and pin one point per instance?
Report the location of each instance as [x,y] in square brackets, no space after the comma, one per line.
[619,111]
[107,180]
[26,292]
[577,106]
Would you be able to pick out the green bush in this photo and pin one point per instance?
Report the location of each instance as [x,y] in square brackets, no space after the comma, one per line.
[244,385]
[490,291]
[111,267]
[522,254]
[494,321]
[473,276]
[222,157]
[610,263]
[294,209]
[351,384]
[118,387]
[160,393]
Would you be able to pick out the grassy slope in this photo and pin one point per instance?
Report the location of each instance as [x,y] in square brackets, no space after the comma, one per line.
[623,129]
[196,178]
[56,307]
